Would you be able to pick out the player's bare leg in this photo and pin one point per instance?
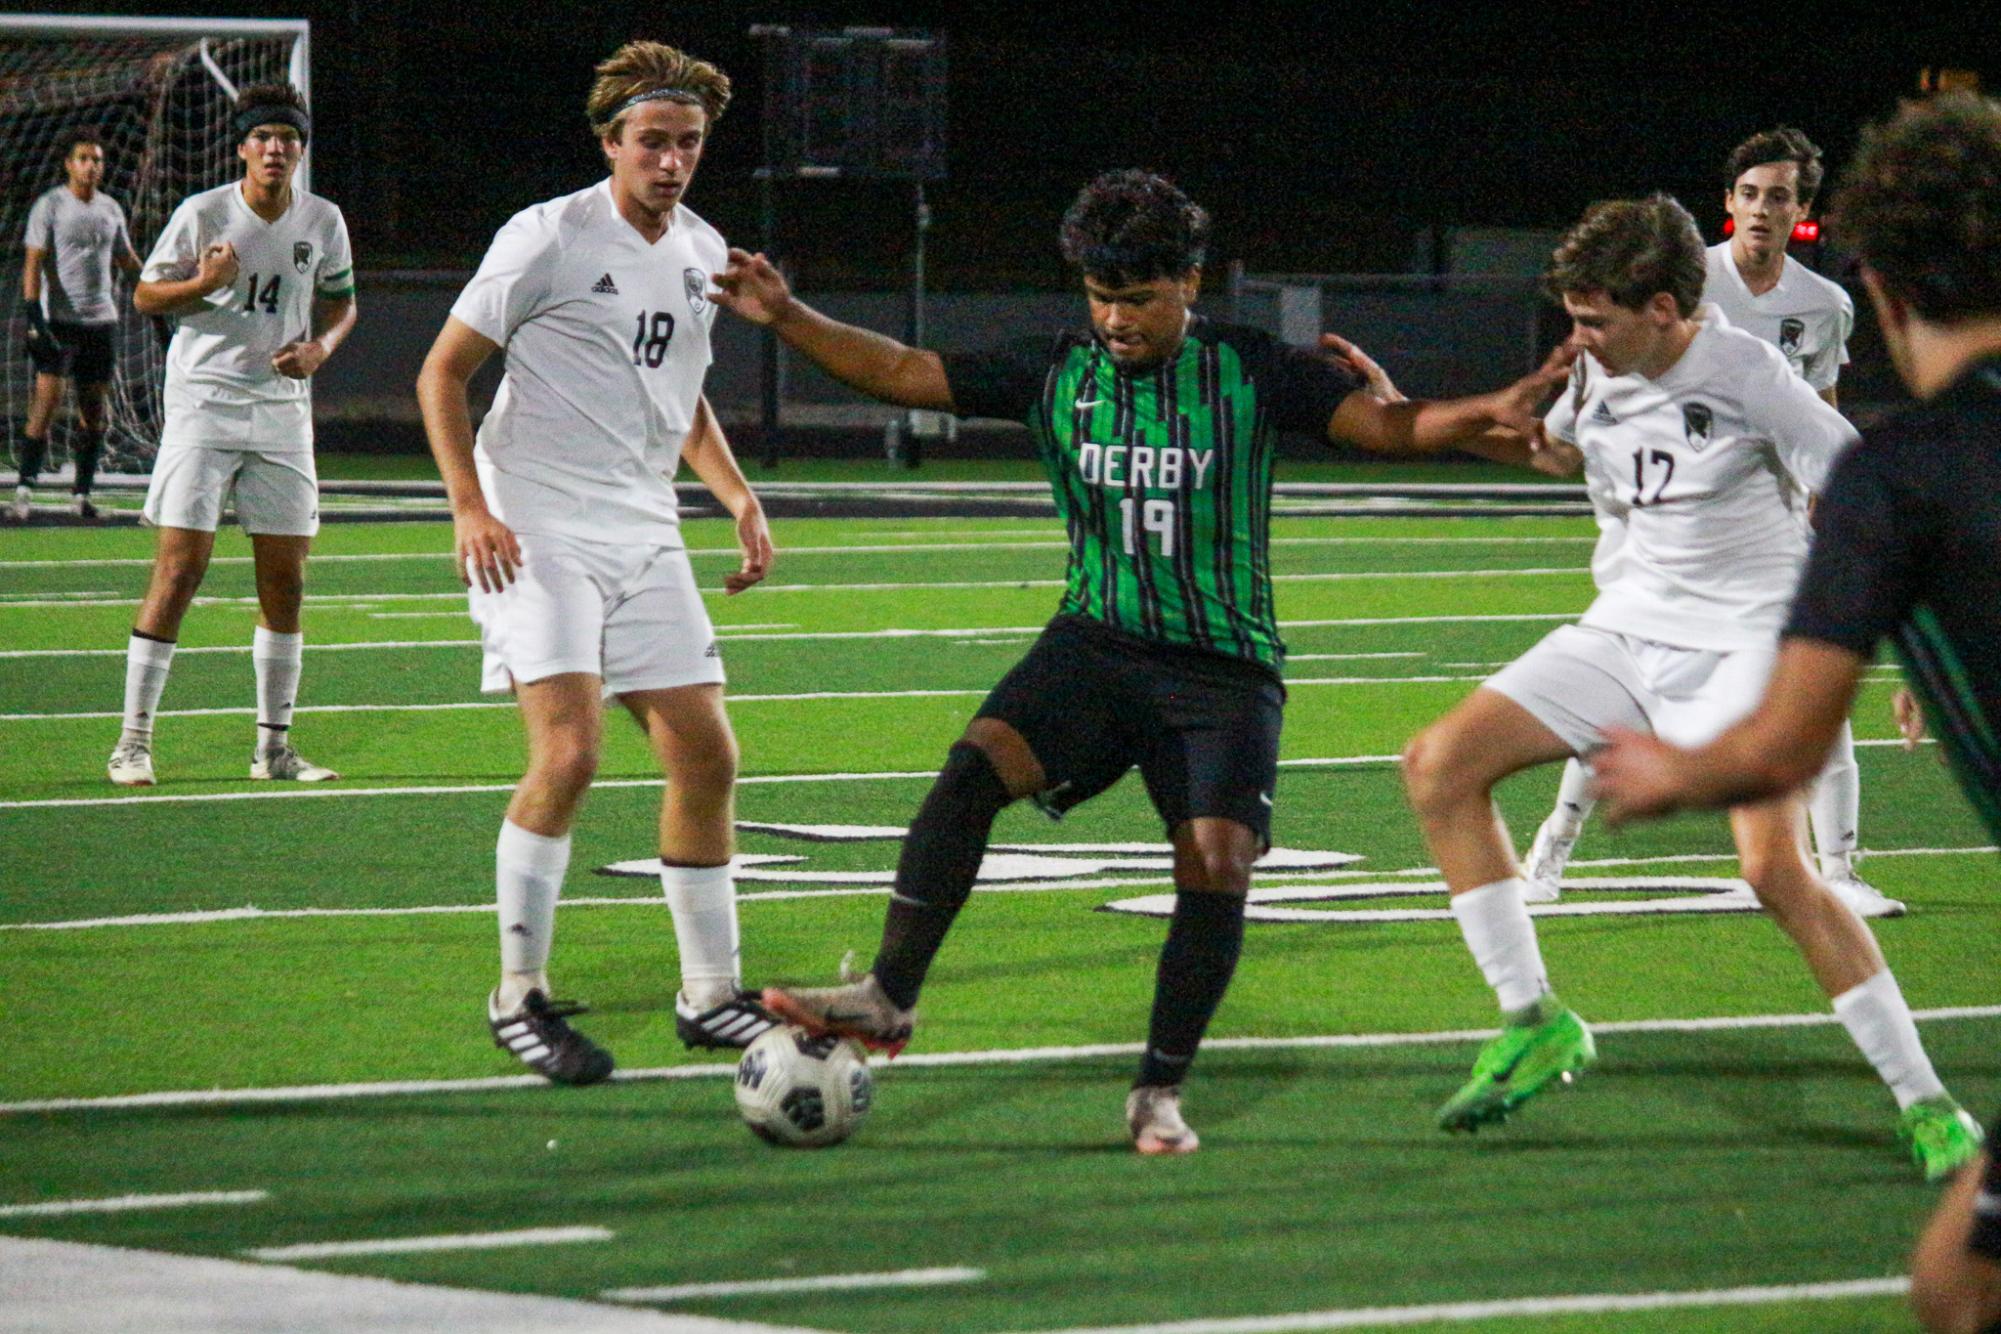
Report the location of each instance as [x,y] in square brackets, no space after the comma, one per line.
[180,559]
[1450,770]
[1848,965]
[1955,1289]
[690,734]
[277,653]
[989,767]
[563,718]
[1212,874]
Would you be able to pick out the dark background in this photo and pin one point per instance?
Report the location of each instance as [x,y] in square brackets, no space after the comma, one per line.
[1324,137]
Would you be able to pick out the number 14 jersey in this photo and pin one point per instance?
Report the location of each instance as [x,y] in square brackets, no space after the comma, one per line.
[220,385]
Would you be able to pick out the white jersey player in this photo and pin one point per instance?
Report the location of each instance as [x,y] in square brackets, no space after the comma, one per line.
[76,234]
[1708,438]
[568,536]
[1750,278]
[260,276]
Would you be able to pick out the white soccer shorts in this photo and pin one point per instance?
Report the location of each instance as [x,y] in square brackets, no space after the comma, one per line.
[1579,681]
[275,493]
[630,615]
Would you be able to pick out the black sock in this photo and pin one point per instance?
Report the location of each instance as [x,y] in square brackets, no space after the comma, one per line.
[1195,967]
[935,874]
[34,453]
[89,445]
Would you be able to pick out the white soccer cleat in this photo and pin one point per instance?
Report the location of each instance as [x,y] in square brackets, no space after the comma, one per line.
[858,1009]
[1542,872]
[1863,897]
[1153,1114]
[288,765]
[131,764]
[23,504]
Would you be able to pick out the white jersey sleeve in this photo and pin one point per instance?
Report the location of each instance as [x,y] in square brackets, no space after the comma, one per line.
[176,255]
[1807,435]
[1561,419]
[512,284]
[335,275]
[41,229]
[1823,369]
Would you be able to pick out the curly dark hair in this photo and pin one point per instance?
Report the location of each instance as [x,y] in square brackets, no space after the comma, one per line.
[1921,206]
[1630,249]
[1134,226]
[270,95]
[1784,144]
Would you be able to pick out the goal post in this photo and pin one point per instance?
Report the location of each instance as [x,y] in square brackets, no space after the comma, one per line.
[158,93]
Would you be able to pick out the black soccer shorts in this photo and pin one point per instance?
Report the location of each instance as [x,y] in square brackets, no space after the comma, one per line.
[1201,728]
[82,352]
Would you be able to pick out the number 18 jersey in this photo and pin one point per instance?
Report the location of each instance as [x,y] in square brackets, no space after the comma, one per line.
[607,341]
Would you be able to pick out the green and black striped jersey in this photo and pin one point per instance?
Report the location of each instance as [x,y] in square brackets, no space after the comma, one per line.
[1163,477]
[1907,547]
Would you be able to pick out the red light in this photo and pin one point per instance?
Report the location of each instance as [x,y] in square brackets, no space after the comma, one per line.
[1806,229]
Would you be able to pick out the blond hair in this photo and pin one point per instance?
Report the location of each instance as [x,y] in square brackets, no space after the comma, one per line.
[638,68]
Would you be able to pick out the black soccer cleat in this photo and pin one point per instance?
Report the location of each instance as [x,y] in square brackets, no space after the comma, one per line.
[538,1034]
[736,1023]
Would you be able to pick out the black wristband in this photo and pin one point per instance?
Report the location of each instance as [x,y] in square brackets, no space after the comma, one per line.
[32,312]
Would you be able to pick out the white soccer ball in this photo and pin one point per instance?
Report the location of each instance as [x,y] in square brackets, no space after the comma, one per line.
[801,1091]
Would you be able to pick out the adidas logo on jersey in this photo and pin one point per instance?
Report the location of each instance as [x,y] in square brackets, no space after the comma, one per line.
[605,286]
[1603,416]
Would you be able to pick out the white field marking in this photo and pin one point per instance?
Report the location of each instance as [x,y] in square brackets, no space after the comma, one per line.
[444,558]
[354,601]
[463,1241]
[60,1287]
[119,1204]
[1266,903]
[929,1060]
[1350,657]
[1380,1317]
[960,632]
[758,1287]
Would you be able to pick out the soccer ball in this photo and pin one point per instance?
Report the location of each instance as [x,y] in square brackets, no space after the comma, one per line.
[801,1091]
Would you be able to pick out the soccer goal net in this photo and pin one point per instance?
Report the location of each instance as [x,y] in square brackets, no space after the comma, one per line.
[157,92]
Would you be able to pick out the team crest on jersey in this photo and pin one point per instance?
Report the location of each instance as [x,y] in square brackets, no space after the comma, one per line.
[1790,333]
[1696,419]
[302,255]
[697,284]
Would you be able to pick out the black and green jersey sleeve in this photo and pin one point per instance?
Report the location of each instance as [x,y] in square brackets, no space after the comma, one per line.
[1164,477]
[1905,545]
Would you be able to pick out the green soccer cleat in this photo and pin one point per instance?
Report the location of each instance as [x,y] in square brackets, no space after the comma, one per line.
[1513,1068]
[1941,1135]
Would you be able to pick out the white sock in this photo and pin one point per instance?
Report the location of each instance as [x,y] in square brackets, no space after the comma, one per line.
[528,877]
[703,901]
[147,662]
[1498,931]
[1574,800]
[1836,805]
[276,658]
[1876,1016]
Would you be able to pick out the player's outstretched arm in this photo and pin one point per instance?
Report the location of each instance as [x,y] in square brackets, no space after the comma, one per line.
[708,452]
[333,318]
[181,296]
[1777,749]
[486,548]
[1425,426]
[862,359]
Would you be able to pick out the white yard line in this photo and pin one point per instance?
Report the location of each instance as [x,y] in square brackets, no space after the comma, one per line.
[61,1287]
[1385,1317]
[463,1241]
[764,1287]
[119,1204]
[925,1060]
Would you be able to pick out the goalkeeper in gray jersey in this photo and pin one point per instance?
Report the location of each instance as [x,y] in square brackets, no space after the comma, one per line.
[75,234]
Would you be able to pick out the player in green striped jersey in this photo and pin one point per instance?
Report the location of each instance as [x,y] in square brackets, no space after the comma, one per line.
[1157,429]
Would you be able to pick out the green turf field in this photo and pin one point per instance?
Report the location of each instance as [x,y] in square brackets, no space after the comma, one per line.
[212,937]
